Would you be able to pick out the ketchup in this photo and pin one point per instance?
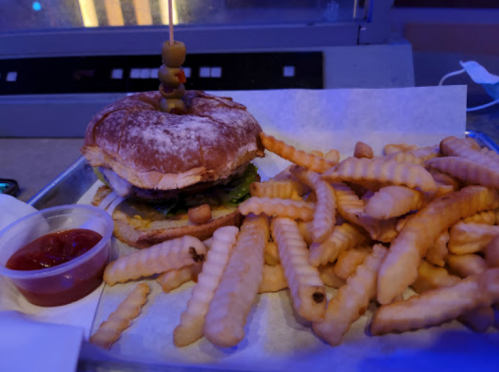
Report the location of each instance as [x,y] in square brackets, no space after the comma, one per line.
[53,249]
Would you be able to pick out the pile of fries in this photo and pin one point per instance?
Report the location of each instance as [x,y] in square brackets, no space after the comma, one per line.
[370,226]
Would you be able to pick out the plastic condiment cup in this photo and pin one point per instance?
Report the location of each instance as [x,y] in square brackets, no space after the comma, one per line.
[67,282]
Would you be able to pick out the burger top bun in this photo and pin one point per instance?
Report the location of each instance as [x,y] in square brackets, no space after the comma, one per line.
[157,150]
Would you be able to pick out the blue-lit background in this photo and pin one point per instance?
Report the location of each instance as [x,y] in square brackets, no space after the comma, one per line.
[50,14]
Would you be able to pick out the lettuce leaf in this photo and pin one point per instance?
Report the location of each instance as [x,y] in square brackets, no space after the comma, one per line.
[240,192]
[167,208]
[100,176]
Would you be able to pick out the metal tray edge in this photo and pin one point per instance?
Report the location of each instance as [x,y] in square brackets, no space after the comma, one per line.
[67,188]
[483,139]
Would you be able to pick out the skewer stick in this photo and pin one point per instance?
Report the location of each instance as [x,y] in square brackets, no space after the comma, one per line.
[170,20]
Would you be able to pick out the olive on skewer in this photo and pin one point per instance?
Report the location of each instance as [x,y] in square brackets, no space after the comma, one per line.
[172,77]
[173,55]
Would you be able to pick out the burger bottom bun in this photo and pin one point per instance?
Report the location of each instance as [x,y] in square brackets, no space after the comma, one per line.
[144,237]
[142,233]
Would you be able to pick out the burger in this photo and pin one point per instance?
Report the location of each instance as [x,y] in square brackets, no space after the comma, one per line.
[166,166]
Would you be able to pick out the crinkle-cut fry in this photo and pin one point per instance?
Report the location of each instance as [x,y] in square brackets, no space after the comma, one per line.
[473,144]
[305,284]
[352,299]
[478,319]
[191,324]
[443,190]
[294,209]
[416,157]
[273,279]
[381,171]
[456,147]
[494,156]
[466,264]
[400,268]
[311,198]
[428,152]
[169,255]
[299,157]
[445,183]
[348,261]
[325,208]
[466,170]
[286,189]
[398,147]
[332,156]
[318,153]
[402,221]
[444,179]
[363,150]
[394,201]
[343,237]
[348,203]
[382,230]
[431,277]
[437,306]
[329,277]
[469,237]
[305,231]
[271,254]
[110,330]
[491,253]
[481,318]
[485,217]
[228,312]
[437,253]
[173,279]
[207,243]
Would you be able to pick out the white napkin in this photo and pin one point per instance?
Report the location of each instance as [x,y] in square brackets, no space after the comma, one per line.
[12,210]
[80,313]
[26,345]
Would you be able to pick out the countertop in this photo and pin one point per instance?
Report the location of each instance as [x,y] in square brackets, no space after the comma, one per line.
[34,162]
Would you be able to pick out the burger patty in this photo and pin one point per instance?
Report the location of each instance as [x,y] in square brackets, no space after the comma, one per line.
[155,195]
[126,190]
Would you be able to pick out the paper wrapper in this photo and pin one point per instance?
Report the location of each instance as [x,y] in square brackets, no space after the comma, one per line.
[276,338]
[337,119]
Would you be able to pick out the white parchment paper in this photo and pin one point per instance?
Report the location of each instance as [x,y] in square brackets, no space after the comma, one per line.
[276,339]
[326,119]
